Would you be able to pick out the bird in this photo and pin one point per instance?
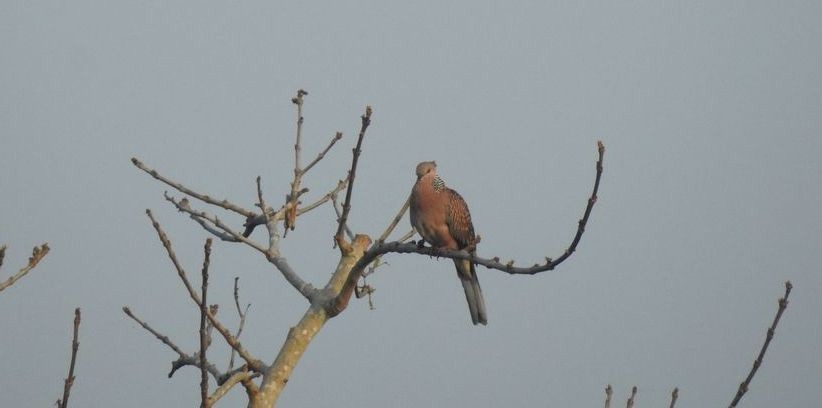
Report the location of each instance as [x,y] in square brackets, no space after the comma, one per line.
[440,215]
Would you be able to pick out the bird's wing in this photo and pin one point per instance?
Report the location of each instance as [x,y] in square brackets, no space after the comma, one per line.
[459,222]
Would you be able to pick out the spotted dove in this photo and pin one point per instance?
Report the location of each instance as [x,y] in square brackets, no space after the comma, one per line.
[440,215]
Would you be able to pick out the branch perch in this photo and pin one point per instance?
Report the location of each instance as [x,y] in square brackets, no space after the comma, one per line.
[493,263]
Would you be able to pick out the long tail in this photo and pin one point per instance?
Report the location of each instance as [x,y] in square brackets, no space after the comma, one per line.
[473,293]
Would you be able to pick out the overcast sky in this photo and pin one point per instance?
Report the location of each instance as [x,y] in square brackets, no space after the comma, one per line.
[711,113]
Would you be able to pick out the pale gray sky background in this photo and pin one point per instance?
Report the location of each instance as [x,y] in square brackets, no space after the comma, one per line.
[711,113]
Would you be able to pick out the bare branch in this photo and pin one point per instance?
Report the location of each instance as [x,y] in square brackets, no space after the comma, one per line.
[229,383]
[242,314]
[37,255]
[202,216]
[407,236]
[293,197]
[270,223]
[259,219]
[203,318]
[608,393]
[674,396]
[187,191]
[783,304]
[253,363]
[366,121]
[630,403]
[163,338]
[184,359]
[338,211]
[337,136]
[395,221]
[75,345]
[306,289]
[322,200]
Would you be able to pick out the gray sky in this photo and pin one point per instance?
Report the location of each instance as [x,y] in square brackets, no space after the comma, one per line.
[710,112]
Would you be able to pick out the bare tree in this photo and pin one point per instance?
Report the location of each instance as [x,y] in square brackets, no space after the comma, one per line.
[359,256]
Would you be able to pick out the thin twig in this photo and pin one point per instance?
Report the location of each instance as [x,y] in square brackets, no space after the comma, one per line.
[75,345]
[37,255]
[187,191]
[630,403]
[366,121]
[203,319]
[242,314]
[674,396]
[292,200]
[338,212]
[341,184]
[163,338]
[270,224]
[407,236]
[337,136]
[608,393]
[395,221]
[783,304]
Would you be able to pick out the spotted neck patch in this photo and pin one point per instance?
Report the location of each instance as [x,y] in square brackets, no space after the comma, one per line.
[438,184]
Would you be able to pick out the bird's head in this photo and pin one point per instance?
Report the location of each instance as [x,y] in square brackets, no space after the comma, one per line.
[426,167]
